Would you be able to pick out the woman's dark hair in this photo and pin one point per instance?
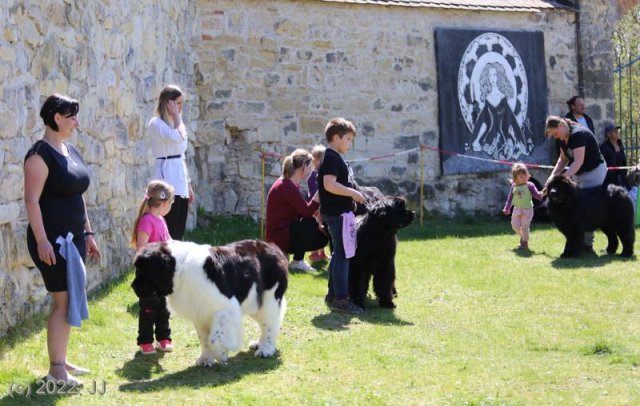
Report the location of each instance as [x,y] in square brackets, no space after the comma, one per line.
[56,103]
[572,101]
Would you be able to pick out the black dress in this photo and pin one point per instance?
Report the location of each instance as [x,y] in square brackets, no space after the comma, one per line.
[62,209]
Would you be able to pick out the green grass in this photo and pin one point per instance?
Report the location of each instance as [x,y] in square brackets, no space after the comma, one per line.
[477,323]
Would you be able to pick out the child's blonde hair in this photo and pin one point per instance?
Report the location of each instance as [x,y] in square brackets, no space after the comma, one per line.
[317,153]
[518,169]
[157,193]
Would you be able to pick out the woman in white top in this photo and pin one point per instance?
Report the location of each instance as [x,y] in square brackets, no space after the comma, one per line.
[168,138]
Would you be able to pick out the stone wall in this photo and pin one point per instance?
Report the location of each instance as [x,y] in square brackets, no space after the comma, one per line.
[598,21]
[271,76]
[258,75]
[114,57]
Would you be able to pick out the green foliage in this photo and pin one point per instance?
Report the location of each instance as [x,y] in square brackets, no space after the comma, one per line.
[626,46]
[477,323]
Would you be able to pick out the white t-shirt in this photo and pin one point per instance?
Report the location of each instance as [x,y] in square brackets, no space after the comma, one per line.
[583,122]
[165,142]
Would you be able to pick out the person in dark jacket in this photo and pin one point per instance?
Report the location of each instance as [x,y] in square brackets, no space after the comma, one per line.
[613,153]
[576,113]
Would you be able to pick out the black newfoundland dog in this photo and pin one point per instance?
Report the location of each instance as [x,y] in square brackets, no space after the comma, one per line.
[375,255]
[574,210]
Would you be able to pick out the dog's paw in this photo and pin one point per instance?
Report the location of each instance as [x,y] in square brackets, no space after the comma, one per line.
[221,356]
[254,345]
[264,351]
[387,304]
[205,361]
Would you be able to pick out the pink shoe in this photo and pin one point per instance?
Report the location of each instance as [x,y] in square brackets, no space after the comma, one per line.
[315,257]
[147,349]
[165,345]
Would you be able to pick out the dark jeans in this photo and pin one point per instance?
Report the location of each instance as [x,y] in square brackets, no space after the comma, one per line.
[305,236]
[339,264]
[153,311]
[177,218]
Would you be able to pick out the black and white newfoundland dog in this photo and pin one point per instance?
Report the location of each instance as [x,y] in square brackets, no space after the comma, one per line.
[574,210]
[214,287]
[376,251]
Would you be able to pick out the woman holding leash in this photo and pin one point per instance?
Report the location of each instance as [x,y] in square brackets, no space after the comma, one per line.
[579,150]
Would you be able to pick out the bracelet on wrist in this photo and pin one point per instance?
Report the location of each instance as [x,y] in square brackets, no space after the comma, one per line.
[89,233]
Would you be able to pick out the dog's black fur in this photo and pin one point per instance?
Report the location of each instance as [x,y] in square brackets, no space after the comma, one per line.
[574,210]
[371,195]
[233,268]
[375,255]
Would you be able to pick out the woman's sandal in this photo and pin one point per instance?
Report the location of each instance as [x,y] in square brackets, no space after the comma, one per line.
[76,370]
[71,380]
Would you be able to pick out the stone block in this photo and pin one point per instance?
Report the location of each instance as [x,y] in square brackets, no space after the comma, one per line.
[11,183]
[312,124]
[9,212]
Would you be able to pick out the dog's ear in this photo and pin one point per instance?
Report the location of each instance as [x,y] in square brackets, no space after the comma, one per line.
[155,267]
[378,211]
[141,288]
[142,284]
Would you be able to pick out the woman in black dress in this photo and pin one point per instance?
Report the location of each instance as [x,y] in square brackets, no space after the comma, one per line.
[55,178]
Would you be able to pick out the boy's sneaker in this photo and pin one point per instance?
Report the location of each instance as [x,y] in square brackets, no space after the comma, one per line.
[301,266]
[524,245]
[147,349]
[165,345]
[346,306]
[328,300]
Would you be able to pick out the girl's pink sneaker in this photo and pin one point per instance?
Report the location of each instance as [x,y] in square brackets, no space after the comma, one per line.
[165,345]
[147,349]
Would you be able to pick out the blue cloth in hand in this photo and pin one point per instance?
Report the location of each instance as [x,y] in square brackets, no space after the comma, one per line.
[76,281]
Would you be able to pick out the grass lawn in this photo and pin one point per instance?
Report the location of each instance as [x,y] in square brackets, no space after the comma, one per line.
[477,323]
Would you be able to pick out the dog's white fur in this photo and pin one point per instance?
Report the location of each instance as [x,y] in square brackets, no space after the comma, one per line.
[216,318]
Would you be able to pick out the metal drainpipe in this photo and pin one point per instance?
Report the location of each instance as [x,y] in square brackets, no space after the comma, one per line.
[579,50]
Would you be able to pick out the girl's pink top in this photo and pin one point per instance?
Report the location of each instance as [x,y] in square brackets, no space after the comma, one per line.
[155,227]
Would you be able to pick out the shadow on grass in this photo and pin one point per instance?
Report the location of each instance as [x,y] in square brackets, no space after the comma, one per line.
[588,261]
[461,226]
[36,323]
[242,364]
[38,392]
[373,315]
[141,366]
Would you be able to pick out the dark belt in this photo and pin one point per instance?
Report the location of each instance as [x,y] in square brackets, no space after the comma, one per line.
[170,157]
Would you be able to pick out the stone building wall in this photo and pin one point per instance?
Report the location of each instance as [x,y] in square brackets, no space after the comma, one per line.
[114,57]
[258,75]
[598,21]
[271,76]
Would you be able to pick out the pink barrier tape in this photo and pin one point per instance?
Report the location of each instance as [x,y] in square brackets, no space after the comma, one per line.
[268,154]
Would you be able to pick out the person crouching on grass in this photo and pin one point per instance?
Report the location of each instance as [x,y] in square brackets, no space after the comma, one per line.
[520,198]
